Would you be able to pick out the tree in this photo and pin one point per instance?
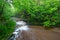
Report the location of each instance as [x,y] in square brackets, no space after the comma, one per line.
[6,23]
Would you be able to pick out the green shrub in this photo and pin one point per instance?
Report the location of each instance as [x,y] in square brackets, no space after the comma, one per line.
[6,23]
[6,29]
[40,12]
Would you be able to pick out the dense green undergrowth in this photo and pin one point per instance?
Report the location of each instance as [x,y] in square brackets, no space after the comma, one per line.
[6,29]
[40,12]
[7,24]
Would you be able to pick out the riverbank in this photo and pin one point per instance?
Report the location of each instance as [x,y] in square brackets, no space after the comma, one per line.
[56,29]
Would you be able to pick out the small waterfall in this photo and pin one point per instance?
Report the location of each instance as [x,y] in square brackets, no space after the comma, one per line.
[21,25]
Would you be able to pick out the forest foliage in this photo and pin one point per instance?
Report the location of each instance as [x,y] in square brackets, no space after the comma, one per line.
[39,12]
[6,23]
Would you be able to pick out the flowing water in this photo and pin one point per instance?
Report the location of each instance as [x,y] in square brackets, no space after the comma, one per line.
[24,32]
[21,26]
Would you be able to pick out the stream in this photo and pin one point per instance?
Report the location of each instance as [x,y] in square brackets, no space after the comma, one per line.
[25,32]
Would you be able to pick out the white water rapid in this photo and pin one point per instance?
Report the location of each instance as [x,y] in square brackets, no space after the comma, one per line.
[21,25]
